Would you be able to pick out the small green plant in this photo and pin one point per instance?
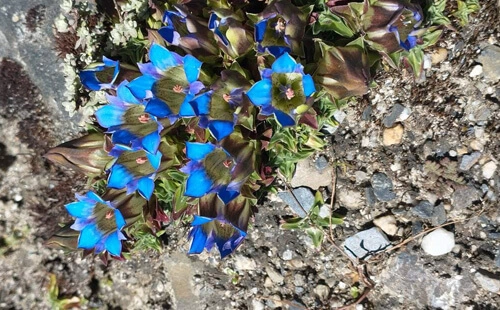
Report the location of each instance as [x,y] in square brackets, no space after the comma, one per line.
[61,303]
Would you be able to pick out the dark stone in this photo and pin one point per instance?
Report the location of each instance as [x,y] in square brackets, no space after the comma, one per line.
[463,197]
[371,200]
[302,203]
[321,163]
[424,209]
[382,187]
[396,111]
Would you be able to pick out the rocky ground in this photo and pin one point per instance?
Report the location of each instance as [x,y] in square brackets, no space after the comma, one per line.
[408,157]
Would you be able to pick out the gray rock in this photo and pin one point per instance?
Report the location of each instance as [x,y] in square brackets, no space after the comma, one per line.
[308,174]
[367,112]
[275,276]
[490,59]
[405,275]
[287,255]
[350,199]
[397,112]
[463,197]
[321,163]
[497,258]
[302,203]
[382,187]
[469,160]
[426,210]
[365,243]
[322,291]
[487,280]
[371,200]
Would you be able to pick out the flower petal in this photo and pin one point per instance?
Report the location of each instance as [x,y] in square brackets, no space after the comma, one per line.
[197,151]
[260,92]
[124,93]
[141,85]
[192,68]
[122,137]
[161,57]
[119,177]
[226,196]
[89,236]
[284,64]
[260,30]
[120,221]
[308,84]
[151,142]
[154,159]
[145,187]
[201,104]
[158,108]
[110,115]
[80,209]
[89,80]
[199,240]
[284,119]
[198,184]
[113,244]
[170,35]
[200,220]
[220,129]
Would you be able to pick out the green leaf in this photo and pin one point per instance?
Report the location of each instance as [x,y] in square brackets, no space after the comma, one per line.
[294,223]
[328,21]
[316,235]
[416,60]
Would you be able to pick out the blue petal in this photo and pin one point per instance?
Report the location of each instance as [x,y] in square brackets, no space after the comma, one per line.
[226,196]
[110,115]
[198,184]
[186,110]
[221,129]
[124,93]
[197,151]
[170,35]
[308,84]
[89,236]
[119,177]
[158,108]
[284,119]
[141,85]
[260,92]
[260,29]
[200,220]
[151,142]
[192,68]
[284,64]
[199,240]
[277,51]
[213,21]
[145,187]
[221,36]
[122,137]
[110,62]
[120,221]
[113,244]
[201,104]
[81,209]
[154,159]
[90,195]
[89,80]
[161,57]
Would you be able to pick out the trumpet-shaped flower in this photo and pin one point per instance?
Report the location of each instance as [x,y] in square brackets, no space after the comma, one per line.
[211,170]
[99,223]
[99,76]
[282,90]
[126,118]
[169,82]
[207,232]
[134,169]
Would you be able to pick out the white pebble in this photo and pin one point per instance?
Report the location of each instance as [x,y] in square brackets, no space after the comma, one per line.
[438,242]
[489,169]
[476,71]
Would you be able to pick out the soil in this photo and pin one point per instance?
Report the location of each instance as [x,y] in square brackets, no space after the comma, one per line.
[454,114]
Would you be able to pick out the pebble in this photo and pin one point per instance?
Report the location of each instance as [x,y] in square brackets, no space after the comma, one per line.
[244,263]
[257,305]
[287,255]
[476,71]
[424,209]
[304,196]
[382,187]
[438,242]
[398,113]
[313,174]
[488,281]
[463,197]
[350,199]
[439,55]
[322,291]
[387,224]
[393,136]
[274,275]
[489,169]
[15,18]
[361,176]
[372,240]
[370,196]
[469,160]
[490,59]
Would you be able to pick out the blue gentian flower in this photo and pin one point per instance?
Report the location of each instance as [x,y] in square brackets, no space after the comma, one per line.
[211,170]
[232,37]
[207,232]
[169,82]
[100,76]
[134,169]
[126,118]
[99,223]
[282,90]
[403,29]
[274,41]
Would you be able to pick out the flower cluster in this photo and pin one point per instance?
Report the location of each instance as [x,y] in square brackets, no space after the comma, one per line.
[189,130]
